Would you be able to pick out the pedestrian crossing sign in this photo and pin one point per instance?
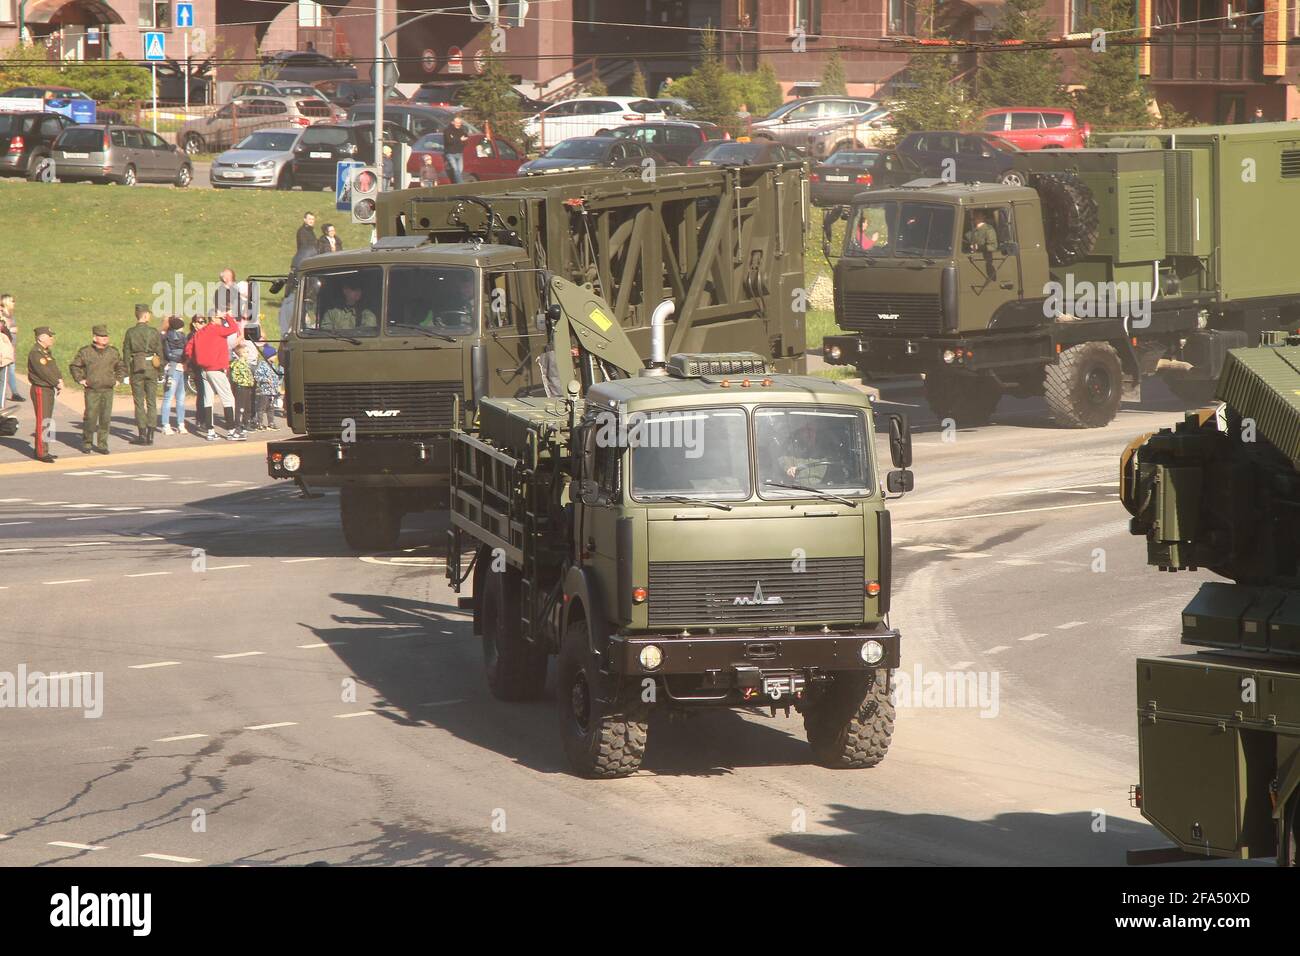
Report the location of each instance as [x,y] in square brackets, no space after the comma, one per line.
[153,46]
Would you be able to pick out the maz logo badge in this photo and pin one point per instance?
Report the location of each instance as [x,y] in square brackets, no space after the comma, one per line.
[748,600]
[383,412]
[887,316]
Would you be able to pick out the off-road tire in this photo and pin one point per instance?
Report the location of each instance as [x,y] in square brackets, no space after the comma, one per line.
[1192,392]
[1084,386]
[610,740]
[515,669]
[1070,217]
[370,520]
[968,400]
[851,724]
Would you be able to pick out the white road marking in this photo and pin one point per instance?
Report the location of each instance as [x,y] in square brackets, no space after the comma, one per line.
[124,508]
[923,548]
[228,567]
[148,574]
[1003,514]
[358,713]
[10,524]
[998,650]
[962,665]
[168,740]
[89,517]
[69,581]
[299,560]
[10,501]
[307,647]
[1069,624]
[227,657]
[969,554]
[84,544]
[1032,637]
[398,637]
[285,723]
[168,859]
[160,511]
[49,502]
[88,505]
[442,703]
[142,667]
[94,471]
[14,550]
[75,846]
[1018,562]
[191,481]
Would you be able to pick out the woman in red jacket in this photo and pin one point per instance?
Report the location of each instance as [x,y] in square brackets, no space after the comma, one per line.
[209,350]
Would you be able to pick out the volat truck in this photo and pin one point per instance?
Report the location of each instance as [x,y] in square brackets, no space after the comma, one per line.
[1219,725]
[1154,255]
[445,306]
[701,531]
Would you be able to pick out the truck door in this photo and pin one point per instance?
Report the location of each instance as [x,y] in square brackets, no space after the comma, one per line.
[988,268]
[601,510]
[514,340]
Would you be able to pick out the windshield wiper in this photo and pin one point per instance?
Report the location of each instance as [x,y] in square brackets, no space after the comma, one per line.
[812,491]
[330,333]
[683,499]
[415,328]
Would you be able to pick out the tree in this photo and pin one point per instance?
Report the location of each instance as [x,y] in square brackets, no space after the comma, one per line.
[106,81]
[760,90]
[493,102]
[596,87]
[1114,96]
[709,88]
[834,82]
[1020,77]
[933,97]
[638,81]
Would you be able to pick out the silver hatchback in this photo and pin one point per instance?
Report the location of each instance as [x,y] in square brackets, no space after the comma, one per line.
[263,159]
[119,154]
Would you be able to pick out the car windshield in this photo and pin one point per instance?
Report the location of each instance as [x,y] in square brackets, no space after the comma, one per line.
[342,302]
[9,123]
[324,136]
[782,110]
[271,142]
[692,453]
[429,141]
[847,158]
[578,149]
[437,299]
[733,153]
[908,230]
[814,446]
[82,139]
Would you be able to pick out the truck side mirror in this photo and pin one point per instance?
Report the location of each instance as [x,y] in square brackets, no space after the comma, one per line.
[832,215]
[900,441]
[899,482]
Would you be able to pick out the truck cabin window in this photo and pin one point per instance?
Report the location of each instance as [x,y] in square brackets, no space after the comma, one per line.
[342,302]
[441,299]
[912,230]
[701,453]
[812,446]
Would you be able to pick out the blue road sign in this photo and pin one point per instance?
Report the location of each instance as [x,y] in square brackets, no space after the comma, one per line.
[185,14]
[154,46]
[343,188]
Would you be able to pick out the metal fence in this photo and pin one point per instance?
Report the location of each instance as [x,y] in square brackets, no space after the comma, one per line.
[212,129]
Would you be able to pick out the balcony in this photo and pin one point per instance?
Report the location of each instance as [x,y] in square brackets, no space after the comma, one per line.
[1208,55]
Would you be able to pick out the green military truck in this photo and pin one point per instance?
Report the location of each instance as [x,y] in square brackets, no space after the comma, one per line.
[702,532]
[1153,255]
[1219,726]
[445,306]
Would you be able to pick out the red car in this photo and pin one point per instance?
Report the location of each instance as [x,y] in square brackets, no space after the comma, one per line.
[1033,127]
[484,159]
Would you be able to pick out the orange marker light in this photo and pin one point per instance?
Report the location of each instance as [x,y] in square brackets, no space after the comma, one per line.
[639,595]
[873,588]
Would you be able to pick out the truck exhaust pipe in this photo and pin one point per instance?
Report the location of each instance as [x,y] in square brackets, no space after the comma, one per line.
[659,337]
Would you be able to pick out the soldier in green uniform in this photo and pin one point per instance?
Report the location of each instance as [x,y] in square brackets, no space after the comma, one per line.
[982,239]
[97,368]
[142,352]
[809,454]
[351,314]
[44,380]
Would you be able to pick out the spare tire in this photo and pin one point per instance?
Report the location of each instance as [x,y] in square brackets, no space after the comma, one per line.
[1070,216]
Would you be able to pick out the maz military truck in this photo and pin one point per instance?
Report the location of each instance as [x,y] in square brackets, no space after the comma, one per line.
[1219,725]
[702,532]
[1154,255]
[445,306]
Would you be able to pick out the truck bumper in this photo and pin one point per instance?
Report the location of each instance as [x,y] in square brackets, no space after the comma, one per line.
[423,462]
[880,356]
[711,667]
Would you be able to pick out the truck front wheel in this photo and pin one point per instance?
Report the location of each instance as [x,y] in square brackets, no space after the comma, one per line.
[601,738]
[1084,387]
[371,519]
[516,669]
[852,723]
[966,399]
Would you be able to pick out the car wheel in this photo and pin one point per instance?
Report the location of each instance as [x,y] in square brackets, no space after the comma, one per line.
[1014,177]
[286,179]
[193,143]
[34,167]
[184,176]
[128,177]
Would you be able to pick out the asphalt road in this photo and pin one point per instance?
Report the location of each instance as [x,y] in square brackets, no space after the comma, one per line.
[270,697]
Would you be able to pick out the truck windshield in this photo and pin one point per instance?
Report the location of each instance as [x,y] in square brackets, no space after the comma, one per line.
[913,230]
[439,299]
[698,453]
[342,302]
[819,447]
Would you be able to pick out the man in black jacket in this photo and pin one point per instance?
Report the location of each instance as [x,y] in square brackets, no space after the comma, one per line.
[306,239]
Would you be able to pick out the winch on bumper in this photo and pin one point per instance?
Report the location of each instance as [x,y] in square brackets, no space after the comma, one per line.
[322,459]
[750,666]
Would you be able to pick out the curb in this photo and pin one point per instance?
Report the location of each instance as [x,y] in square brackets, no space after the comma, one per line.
[96,462]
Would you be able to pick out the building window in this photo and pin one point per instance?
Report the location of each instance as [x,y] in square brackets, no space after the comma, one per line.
[7,11]
[309,13]
[806,15]
[1078,16]
[156,14]
[902,18]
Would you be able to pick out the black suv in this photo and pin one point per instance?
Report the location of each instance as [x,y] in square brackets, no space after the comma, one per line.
[26,138]
[306,66]
[325,145]
[966,157]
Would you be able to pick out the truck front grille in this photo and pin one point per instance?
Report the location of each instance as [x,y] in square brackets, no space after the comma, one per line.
[380,408]
[740,593]
[889,313]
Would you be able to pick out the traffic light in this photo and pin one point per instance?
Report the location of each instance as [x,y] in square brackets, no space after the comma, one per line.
[513,12]
[364,182]
[483,11]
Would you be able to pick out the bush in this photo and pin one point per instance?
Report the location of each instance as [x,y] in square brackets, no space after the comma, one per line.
[108,82]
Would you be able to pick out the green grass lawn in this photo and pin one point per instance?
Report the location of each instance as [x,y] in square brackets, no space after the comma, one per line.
[77,254]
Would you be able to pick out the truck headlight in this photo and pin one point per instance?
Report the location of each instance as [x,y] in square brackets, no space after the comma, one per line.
[651,657]
[872,652]
[834,353]
[292,463]
[949,356]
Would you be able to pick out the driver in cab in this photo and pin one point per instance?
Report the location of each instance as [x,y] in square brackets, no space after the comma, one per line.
[809,454]
[452,312]
[351,313]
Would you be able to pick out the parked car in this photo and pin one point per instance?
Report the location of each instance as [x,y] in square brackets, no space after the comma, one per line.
[484,159]
[737,153]
[26,139]
[796,123]
[591,152]
[324,145]
[119,154]
[235,120]
[263,159]
[452,93]
[283,88]
[588,116]
[418,120]
[860,132]
[307,66]
[847,172]
[1032,127]
[674,139]
[346,93]
[972,157]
